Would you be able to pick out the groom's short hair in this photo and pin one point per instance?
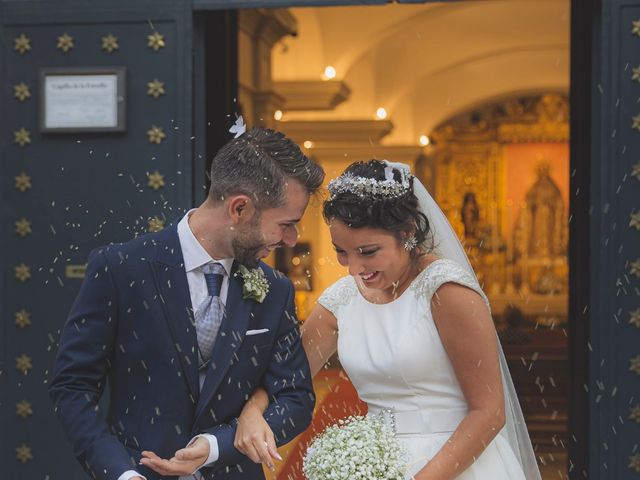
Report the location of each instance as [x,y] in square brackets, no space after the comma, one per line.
[257,164]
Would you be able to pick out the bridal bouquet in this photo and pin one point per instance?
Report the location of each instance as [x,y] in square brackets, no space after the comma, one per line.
[355,448]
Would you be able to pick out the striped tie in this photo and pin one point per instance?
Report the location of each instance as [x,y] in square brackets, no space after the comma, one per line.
[209,313]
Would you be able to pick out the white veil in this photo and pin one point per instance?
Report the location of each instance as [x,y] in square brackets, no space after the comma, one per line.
[448,246]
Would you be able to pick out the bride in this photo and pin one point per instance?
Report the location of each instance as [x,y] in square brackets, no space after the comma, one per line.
[414,333]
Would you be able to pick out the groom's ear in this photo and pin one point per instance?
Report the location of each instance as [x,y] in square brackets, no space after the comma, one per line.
[241,208]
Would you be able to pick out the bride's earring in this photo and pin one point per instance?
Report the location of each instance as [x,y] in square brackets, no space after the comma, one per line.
[410,243]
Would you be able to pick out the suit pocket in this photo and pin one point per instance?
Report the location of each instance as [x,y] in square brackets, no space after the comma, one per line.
[260,331]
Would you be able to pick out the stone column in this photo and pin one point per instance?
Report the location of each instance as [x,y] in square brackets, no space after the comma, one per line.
[259,30]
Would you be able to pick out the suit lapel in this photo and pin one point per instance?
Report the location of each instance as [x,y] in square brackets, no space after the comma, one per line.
[229,339]
[171,282]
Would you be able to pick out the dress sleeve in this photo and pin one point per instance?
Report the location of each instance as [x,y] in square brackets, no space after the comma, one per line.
[447,271]
[338,295]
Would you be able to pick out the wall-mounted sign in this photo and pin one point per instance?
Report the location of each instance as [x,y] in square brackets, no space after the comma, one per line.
[82,99]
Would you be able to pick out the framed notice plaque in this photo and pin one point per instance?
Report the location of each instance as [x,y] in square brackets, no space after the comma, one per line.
[82,99]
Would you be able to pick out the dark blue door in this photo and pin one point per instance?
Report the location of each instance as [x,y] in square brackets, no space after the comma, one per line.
[66,192]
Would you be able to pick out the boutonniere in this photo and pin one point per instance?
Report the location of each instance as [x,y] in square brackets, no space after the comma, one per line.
[254,284]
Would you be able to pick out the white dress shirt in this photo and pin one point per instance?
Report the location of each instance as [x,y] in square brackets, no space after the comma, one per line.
[195,257]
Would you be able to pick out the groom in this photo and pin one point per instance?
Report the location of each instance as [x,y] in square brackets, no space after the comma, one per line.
[183,328]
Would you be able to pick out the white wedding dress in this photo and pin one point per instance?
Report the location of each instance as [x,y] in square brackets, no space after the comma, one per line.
[395,359]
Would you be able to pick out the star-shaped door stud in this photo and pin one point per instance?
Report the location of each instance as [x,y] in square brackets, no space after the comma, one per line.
[23,453]
[23,227]
[22,272]
[24,409]
[22,137]
[22,44]
[155,224]
[155,134]
[65,43]
[156,180]
[155,88]
[110,43]
[23,182]
[23,318]
[23,363]
[21,91]
[155,41]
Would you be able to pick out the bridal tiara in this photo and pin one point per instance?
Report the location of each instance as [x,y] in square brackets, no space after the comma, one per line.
[370,187]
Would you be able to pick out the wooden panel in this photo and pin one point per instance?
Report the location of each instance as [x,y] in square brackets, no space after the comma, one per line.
[540,373]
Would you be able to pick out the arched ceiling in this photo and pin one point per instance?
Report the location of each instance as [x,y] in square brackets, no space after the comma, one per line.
[425,63]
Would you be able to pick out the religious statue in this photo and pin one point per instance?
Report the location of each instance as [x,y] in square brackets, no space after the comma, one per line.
[470,215]
[541,231]
[540,236]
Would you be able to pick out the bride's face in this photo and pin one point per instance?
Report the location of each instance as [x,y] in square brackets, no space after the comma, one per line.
[371,254]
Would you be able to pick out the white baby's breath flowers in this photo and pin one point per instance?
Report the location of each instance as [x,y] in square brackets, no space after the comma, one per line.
[356,448]
[254,284]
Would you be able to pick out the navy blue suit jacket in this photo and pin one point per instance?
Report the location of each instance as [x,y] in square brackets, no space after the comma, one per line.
[132,327]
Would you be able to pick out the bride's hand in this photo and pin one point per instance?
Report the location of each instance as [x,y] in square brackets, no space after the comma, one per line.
[254,437]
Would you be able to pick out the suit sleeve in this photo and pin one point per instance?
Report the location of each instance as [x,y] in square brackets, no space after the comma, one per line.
[80,373]
[288,383]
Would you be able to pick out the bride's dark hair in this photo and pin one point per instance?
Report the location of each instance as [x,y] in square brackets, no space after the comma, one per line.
[397,215]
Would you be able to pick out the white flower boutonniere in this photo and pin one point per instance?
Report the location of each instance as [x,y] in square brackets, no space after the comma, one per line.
[254,284]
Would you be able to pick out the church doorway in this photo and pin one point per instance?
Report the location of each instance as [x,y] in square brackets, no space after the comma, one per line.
[476,101]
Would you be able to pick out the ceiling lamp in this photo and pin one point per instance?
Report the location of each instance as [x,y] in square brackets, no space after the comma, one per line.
[329,72]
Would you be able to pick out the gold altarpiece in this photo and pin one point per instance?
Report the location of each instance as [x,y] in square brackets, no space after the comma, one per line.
[500,175]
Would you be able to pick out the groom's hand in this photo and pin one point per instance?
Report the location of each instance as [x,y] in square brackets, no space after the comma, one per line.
[254,437]
[185,461]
